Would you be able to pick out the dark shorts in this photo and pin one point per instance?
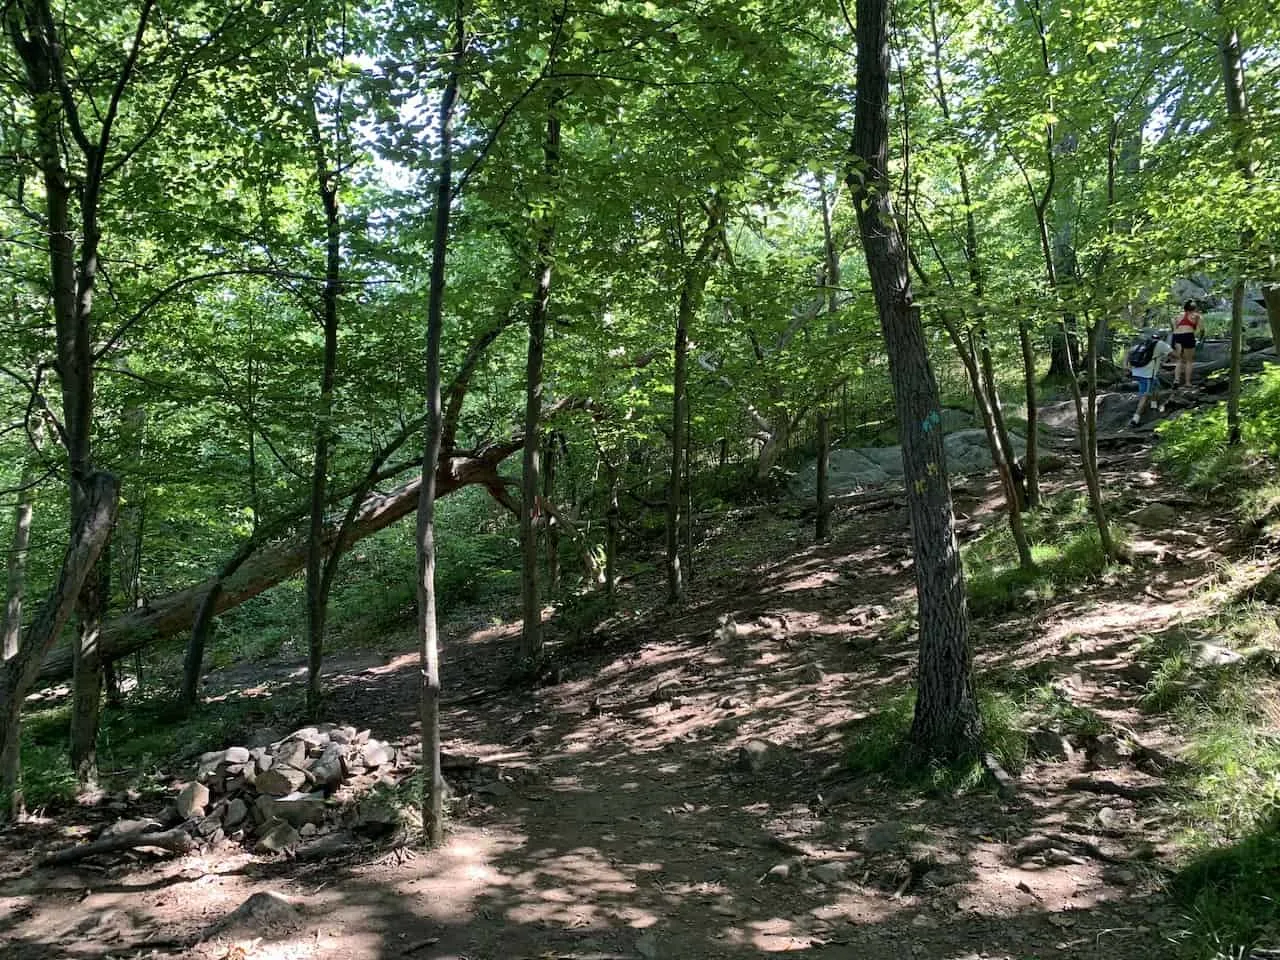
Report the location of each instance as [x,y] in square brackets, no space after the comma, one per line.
[1187,341]
[1146,385]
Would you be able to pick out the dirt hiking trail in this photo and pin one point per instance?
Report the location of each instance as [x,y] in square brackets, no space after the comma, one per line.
[683,793]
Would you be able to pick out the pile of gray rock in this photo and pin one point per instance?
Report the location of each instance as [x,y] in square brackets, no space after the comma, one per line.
[272,793]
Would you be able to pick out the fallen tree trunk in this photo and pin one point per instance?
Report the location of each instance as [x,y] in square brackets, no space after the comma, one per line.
[175,613]
[177,840]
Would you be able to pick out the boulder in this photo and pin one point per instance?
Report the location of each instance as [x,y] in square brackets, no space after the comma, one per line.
[1049,745]
[294,809]
[281,780]
[1155,516]
[239,755]
[261,739]
[1205,654]
[374,754]
[235,814]
[1107,750]
[882,837]
[811,673]
[329,768]
[291,752]
[193,800]
[375,819]
[276,836]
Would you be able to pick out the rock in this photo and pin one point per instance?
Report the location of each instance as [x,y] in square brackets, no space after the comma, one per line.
[276,836]
[262,760]
[495,789]
[361,737]
[1205,654]
[292,753]
[264,913]
[281,780]
[210,824]
[193,801]
[728,703]
[294,809]
[374,754]
[1106,750]
[754,755]
[236,755]
[1048,463]
[122,827]
[376,818]
[1155,516]
[779,873]
[329,769]
[829,872]
[311,736]
[234,815]
[811,673]
[1049,745]
[308,830]
[924,921]
[883,836]
[262,739]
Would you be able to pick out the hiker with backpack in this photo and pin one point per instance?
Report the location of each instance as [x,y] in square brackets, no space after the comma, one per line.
[1143,362]
[1185,329]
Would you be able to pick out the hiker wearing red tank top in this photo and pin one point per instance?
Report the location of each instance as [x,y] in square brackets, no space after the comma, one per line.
[1185,329]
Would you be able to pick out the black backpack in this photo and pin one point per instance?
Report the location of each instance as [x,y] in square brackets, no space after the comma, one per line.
[1141,353]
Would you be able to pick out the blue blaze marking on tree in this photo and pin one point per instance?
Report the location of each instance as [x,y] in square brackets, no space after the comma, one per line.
[932,420]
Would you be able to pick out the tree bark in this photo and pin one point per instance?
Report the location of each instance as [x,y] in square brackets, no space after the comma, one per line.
[428,631]
[317,601]
[19,672]
[611,534]
[1232,55]
[823,526]
[1031,462]
[531,599]
[946,723]
[553,527]
[1271,297]
[11,633]
[697,271]
[163,617]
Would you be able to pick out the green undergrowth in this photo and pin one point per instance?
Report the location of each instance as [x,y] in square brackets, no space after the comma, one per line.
[1194,446]
[1228,878]
[879,746]
[1064,546]
[142,742]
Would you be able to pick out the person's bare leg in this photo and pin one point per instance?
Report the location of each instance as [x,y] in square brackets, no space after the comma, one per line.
[1187,358]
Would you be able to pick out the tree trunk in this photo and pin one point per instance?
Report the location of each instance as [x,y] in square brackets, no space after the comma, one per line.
[531,600]
[1087,432]
[19,672]
[163,617]
[11,801]
[1232,55]
[553,528]
[946,722]
[317,603]
[1237,351]
[697,272]
[823,526]
[611,534]
[428,636]
[1031,462]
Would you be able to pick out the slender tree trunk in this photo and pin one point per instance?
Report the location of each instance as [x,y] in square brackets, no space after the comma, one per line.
[946,722]
[18,673]
[1237,352]
[1031,461]
[553,530]
[1232,55]
[531,599]
[1086,429]
[428,637]
[611,534]
[697,272]
[317,601]
[823,530]
[11,633]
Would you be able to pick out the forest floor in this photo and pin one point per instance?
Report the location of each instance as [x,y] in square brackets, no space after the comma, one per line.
[632,816]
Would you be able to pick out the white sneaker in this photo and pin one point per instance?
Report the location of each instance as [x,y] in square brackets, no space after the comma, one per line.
[1133,421]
